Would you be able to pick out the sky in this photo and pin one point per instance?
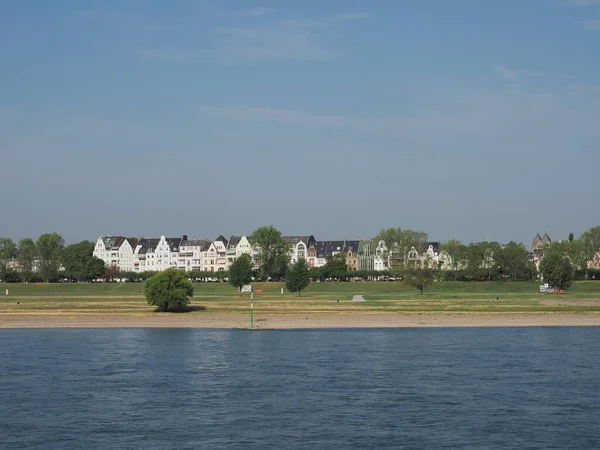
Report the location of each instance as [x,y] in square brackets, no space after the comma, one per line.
[467,119]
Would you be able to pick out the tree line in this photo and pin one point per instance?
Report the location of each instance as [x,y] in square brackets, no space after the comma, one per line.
[42,259]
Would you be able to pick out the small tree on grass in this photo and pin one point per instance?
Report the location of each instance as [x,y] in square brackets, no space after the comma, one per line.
[557,270]
[169,290]
[297,277]
[240,272]
[417,276]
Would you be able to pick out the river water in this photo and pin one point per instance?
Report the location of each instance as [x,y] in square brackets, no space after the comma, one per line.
[491,388]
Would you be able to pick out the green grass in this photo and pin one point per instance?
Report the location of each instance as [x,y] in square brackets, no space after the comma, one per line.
[382,297]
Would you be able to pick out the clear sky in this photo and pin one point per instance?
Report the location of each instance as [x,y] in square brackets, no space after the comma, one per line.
[336,118]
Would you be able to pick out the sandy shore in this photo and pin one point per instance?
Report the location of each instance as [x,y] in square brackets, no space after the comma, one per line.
[297,321]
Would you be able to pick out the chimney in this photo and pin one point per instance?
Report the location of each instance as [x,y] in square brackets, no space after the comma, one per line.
[185,237]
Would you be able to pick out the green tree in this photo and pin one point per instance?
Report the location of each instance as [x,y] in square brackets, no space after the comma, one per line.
[240,272]
[589,243]
[335,266]
[111,272]
[75,257]
[26,259]
[297,277]
[557,270]
[169,290]
[417,275]
[94,268]
[513,262]
[49,250]
[8,252]
[456,250]
[273,252]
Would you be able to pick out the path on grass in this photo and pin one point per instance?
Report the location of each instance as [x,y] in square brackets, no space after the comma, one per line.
[358,298]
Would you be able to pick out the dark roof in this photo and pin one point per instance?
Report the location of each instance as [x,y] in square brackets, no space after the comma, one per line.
[192,242]
[113,242]
[133,242]
[326,248]
[352,245]
[174,243]
[222,239]
[205,245]
[234,240]
[435,245]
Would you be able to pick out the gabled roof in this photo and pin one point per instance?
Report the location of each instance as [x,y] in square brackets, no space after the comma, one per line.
[546,239]
[222,239]
[174,243]
[536,240]
[234,240]
[113,242]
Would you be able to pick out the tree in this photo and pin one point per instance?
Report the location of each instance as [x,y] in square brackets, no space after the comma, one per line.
[589,243]
[8,252]
[273,252]
[49,250]
[456,250]
[557,270]
[513,262]
[240,272]
[418,276]
[111,272]
[94,268]
[26,259]
[75,258]
[296,278]
[169,290]
[335,266]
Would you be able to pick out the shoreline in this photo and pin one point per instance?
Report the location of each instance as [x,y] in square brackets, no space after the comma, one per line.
[299,321]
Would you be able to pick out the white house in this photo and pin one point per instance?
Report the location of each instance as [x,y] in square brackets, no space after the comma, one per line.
[237,246]
[298,246]
[116,251]
[381,260]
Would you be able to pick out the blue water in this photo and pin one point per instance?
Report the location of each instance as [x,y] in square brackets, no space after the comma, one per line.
[404,388]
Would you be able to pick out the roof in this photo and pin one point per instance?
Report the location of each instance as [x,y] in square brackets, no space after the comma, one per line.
[327,248]
[307,240]
[235,240]
[113,242]
[222,239]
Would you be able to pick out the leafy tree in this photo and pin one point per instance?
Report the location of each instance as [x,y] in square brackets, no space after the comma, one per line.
[169,290]
[335,266]
[297,277]
[399,242]
[8,252]
[571,237]
[49,250]
[94,268]
[75,258]
[417,275]
[458,255]
[589,243]
[111,272]
[26,259]
[513,261]
[240,272]
[273,252]
[557,270]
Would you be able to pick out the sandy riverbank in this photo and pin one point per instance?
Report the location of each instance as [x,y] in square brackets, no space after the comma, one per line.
[297,321]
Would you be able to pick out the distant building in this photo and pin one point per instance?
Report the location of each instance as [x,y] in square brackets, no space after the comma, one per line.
[537,248]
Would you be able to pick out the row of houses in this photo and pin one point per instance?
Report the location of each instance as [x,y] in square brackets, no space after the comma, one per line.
[156,254]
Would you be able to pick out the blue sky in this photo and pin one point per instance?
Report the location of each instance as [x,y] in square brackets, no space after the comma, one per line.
[462,118]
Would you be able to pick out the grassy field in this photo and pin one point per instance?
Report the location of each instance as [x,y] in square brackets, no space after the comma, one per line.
[382,297]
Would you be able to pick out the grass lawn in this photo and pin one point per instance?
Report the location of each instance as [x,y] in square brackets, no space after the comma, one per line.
[381,297]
